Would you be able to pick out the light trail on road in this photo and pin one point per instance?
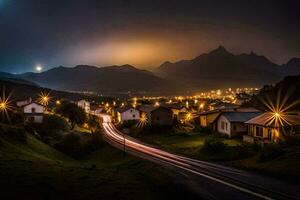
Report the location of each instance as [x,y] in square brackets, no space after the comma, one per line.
[233,178]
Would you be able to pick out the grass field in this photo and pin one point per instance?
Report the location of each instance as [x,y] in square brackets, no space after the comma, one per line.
[183,144]
[34,170]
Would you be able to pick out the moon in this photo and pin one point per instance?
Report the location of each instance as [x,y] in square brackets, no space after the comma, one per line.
[38,68]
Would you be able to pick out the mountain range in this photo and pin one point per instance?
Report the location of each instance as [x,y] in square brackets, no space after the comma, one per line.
[220,68]
[216,69]
[106,80]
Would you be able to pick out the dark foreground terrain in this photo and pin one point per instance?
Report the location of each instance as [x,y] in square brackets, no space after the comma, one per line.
[31,169]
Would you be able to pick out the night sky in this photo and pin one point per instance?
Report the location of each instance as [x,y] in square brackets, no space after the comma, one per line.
[141,33]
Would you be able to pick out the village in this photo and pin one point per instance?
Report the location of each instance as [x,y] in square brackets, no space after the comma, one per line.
[228,115]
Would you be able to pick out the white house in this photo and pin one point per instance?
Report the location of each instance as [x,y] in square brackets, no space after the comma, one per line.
[233,123]
[85,105]
[24,102]
[127,114]
[33,112]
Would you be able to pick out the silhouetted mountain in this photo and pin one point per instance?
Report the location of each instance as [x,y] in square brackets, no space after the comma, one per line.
[216,69]
[105,80]
[292,67]
[22,90]
[220,68]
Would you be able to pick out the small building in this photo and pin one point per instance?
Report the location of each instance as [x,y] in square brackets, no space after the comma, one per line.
[161,116]
[146,110]
[265,128]
[126,114]
[176,109]
[85,105]
[33,112]
[207,118]
[24,102]
[233,123]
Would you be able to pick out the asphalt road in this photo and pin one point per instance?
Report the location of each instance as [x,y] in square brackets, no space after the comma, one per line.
[207,180]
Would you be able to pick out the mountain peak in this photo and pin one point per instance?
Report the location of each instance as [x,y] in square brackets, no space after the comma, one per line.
[128,66]
[294,62]
[220,50]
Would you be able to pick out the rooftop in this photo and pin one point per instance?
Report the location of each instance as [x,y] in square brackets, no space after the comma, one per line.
[266,119]
[240,116]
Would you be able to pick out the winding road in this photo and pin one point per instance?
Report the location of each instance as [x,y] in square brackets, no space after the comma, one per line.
[208,180]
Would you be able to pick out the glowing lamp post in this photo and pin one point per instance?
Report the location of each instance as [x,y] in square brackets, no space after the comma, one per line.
[3,106]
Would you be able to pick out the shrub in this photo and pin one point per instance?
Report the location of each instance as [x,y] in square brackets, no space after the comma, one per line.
[15,133]
[71,145]
[270,151]
[51,129]
[54,122]
[292,140]
[207,130]
[94,143]
[246,150]
[214,145]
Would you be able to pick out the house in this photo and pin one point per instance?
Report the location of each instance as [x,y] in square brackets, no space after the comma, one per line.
[176,109]
[146,110]
[161,116]
[126,114]
[207,118]
[265,128]
[85,105]
[233,123]
[23,102]
[33,112]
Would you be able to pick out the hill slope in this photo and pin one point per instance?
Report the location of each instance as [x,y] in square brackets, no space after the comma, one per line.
[105,80]
[22,89]
[34,170]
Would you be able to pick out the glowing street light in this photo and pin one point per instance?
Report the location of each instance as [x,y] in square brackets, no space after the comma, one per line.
[201,106]
[187,104]
[2,105]
[5,105]
[44,98]
[58,102]
[143,120]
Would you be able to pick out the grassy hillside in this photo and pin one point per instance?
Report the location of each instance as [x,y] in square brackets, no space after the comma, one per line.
[34,170]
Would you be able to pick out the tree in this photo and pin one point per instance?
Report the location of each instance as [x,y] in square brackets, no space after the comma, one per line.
[93,123]
[74,113]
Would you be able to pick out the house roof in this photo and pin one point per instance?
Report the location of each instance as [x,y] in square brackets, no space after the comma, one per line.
[147,108]
[32,103]
[210,112]
[172,106]
[239,116]
[124,109]
[265,119]
[162,108]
